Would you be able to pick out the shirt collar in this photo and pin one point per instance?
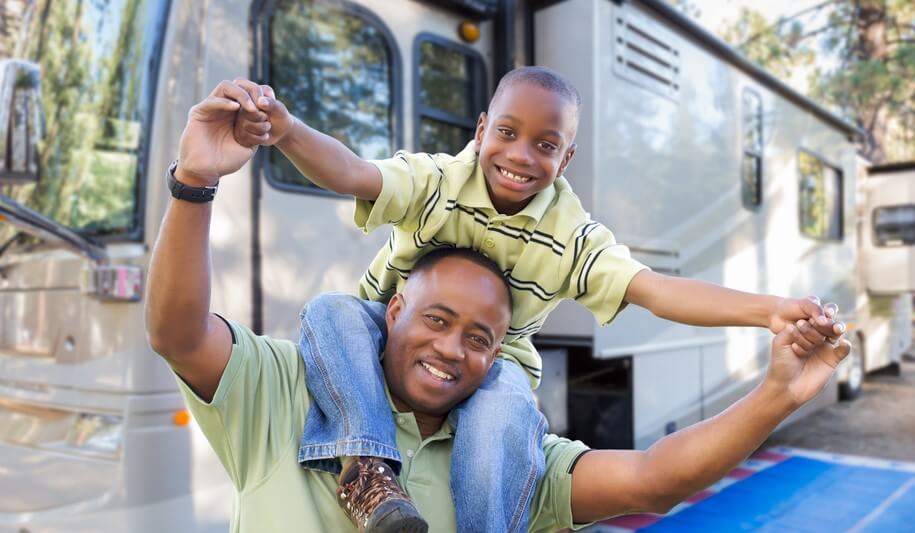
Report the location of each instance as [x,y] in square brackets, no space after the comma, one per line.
[444,432]
[475,194]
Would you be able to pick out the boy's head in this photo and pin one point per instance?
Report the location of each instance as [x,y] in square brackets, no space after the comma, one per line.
[526,139]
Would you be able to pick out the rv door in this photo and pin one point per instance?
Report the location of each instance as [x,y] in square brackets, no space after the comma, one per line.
[888,237]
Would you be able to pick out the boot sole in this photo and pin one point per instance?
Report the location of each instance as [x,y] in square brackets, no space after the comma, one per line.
[396,516]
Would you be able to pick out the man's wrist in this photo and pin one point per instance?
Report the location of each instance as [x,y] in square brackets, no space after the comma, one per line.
[777,398]
[192,179]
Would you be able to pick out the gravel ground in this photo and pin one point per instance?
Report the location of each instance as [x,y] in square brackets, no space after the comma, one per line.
[879,423]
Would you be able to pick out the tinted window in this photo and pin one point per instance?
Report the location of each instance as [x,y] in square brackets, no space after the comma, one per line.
[332,67]
[751,166]
[449,91]
[894,225]
[95,66]
[820,196]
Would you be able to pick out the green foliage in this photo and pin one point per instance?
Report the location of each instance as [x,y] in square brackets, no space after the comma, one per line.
[861,60]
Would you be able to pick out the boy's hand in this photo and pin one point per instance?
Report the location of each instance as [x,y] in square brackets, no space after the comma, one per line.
[799,367]
[790,310]
[268,124]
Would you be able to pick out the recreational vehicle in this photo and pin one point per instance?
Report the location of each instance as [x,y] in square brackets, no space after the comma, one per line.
[705,165]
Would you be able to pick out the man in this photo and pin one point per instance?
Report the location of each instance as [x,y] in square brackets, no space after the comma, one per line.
[444,330]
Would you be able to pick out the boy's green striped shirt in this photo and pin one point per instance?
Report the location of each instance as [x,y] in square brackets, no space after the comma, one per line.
[549,251]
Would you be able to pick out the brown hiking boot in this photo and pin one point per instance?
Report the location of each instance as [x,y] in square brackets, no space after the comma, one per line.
[372,498]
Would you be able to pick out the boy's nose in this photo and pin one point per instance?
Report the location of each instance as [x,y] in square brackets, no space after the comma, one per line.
[520,155]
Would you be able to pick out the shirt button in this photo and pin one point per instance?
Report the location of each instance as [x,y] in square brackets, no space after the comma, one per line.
[489,243]
[410,453]
[400,420]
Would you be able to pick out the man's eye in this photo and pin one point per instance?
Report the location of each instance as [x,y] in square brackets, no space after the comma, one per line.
[479,342]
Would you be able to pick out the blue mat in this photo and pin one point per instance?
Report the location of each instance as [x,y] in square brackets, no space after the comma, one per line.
[805,495]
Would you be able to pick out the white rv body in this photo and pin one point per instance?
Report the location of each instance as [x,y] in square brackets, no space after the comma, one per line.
[91,429]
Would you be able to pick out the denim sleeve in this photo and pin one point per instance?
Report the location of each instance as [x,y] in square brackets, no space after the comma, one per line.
[551,509]
[258,409]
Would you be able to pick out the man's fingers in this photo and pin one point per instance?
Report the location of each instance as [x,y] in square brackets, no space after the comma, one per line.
[227,89]
[809,334]
[256,128]
[254,90]
[215,103]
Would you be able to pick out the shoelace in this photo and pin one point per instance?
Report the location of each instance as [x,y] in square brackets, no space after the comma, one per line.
[374,484]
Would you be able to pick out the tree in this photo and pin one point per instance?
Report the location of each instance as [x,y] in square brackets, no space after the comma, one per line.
[861,59]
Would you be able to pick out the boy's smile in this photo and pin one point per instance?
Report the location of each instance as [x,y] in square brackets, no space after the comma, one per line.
[524,142]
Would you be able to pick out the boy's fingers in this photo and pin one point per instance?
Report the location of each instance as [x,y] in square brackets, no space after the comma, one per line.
[831,310]
[268,91]
[256,128]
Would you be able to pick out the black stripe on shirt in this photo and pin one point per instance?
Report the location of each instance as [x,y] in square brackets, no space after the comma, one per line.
[586,271]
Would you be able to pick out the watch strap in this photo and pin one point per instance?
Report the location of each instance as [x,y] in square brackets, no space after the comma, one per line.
[181,191]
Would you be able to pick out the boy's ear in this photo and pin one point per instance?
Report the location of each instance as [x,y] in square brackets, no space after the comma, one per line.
[566,159]
[481,127]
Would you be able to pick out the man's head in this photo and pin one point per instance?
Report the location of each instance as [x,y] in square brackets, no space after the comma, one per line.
[526,139]
[444,330]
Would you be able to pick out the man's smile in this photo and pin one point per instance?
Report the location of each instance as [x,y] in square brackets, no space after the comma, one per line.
[438,373]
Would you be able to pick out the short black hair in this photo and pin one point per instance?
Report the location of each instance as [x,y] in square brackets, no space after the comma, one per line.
[541,77]
[432,258]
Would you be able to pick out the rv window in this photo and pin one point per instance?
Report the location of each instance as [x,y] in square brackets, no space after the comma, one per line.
[95,64]
[820,197]
[751,167]
[894,225]
[333,67]
[449,89]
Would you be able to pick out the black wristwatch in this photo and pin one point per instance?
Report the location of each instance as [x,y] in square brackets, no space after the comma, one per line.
[198,195]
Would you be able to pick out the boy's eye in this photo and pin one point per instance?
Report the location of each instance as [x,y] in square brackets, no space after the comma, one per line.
[506,132]
[547,146]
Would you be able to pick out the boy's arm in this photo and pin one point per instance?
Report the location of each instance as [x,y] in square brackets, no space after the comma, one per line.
[322,159]
[607,483]
[699,303]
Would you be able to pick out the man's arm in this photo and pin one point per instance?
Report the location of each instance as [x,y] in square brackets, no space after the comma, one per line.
[607,483]
[322,159]
[699,303]
[179,325]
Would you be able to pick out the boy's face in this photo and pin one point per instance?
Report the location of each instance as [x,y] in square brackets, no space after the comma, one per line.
[524,143]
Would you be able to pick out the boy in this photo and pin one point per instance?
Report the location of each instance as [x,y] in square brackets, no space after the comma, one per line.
[503,195]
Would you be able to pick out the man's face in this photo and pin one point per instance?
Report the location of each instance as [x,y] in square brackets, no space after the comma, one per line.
[524,142]
[444,332]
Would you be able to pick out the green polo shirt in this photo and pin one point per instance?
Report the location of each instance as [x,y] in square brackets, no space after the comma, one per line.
[551,250]
[254,423]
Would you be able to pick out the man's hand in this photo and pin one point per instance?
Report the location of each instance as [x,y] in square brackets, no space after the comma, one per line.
[266,126]
[823,318]
[803,360]
[208,149]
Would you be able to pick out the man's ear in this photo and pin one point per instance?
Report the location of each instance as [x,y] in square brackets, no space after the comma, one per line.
[478,135]
[395,307]
[495,354]
[566,159]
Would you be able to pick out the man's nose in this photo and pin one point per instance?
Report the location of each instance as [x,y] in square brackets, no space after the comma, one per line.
[449,346]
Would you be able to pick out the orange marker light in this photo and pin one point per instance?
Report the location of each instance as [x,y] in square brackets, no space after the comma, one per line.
[469,31]
[181,418]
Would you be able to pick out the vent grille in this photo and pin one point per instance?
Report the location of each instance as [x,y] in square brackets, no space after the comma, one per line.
[645,54]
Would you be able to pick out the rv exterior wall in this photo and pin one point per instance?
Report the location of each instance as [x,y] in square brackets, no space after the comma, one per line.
[660,164]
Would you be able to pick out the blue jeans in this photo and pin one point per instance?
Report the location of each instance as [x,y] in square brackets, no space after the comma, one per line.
[492,480]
